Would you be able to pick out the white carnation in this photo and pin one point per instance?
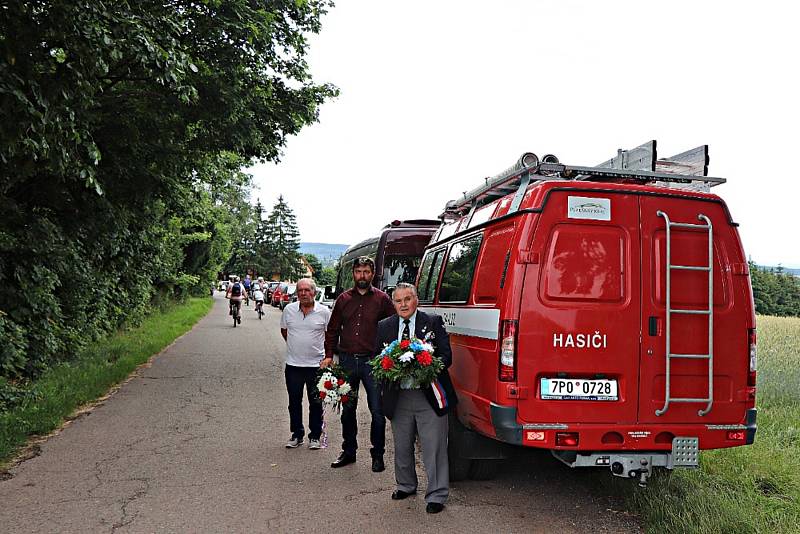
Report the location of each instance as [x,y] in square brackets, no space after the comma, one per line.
[428,347]
[406,357]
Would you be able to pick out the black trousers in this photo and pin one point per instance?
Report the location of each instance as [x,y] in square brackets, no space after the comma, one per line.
[361,373]
[297,379]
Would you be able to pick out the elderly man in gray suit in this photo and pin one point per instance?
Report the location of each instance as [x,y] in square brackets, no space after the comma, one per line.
[421,411]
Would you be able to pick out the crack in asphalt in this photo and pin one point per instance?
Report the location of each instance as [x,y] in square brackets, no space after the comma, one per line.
[366,492]
[125,520]
[204,377]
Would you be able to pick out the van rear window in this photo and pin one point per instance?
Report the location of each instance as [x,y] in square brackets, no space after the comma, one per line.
[459,269]
[586,263]
[398,269]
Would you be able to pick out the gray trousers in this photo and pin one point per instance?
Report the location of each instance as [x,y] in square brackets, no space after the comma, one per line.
[413,416]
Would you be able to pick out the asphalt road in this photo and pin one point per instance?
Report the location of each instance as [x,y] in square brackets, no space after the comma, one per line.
[195,443]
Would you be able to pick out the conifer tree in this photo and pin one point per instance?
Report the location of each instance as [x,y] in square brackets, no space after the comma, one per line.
[280,242]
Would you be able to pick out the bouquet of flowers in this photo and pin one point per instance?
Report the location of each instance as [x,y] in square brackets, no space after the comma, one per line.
[334,389]
[410,361]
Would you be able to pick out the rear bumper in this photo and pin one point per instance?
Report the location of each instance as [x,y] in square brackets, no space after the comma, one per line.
[623,436]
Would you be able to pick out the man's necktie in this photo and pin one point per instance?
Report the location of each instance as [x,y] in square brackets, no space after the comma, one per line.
[406,333]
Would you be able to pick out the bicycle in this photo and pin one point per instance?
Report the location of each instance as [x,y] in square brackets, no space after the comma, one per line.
[260,308]
[236,312]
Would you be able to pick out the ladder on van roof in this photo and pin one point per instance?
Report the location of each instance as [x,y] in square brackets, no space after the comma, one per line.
[709,311]
[687,170]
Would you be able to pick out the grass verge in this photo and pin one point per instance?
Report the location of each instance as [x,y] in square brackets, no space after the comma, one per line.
[745,489]
[62,389]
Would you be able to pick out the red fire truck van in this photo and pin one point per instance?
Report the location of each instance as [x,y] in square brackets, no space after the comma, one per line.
[604,313]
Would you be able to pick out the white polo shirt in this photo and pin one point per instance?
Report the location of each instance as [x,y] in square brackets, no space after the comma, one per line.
[305,334]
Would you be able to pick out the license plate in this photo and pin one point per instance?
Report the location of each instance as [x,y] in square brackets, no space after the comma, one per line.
[579,389]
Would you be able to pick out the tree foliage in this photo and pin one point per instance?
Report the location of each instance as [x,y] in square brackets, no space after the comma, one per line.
[314,263]
[326,277]
[279,240]
[775,292]
[125,126]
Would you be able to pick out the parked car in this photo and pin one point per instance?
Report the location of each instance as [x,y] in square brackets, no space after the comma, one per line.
[288,295]
[271,286]
[320,297]
[275,296]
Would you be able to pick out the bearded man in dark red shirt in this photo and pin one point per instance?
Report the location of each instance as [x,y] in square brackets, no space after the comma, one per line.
[351,333]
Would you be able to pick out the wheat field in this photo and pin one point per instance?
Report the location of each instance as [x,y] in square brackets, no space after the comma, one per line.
[744,489]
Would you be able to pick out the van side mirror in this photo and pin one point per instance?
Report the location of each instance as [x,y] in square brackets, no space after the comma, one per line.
[329,293]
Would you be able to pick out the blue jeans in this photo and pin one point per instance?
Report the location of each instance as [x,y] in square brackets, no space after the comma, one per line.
[361,373]
[297,379]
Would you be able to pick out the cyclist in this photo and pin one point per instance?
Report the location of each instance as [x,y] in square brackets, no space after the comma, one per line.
[247,282]
[258,296]
[236,292]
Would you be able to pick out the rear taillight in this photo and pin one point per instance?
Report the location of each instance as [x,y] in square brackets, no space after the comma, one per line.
[567,439]
[751,341]
[508,351]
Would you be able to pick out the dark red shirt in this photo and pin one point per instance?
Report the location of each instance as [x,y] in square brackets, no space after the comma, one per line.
[353,325]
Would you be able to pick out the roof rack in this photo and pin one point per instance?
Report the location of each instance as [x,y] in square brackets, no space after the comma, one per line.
[686,170]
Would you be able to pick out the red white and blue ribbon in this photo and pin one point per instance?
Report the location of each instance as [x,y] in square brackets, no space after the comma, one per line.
[439,394]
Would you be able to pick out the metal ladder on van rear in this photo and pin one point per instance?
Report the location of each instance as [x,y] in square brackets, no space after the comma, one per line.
[709,312]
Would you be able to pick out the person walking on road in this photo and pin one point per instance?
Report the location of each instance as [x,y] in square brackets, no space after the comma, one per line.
[416,411]
[351,335]
[303,325]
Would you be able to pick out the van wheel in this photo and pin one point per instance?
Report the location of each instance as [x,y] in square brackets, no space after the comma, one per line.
[459,467]
[483,469]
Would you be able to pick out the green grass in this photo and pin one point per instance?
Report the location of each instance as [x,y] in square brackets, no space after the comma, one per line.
[744,489]
[63,388]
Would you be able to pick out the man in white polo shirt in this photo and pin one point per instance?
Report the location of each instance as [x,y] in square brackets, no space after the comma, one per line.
[303,325]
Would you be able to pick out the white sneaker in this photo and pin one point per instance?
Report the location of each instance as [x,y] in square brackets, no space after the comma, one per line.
[314,444]
[294,442]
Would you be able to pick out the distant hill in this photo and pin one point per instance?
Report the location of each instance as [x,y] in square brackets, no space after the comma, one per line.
[327,253]
[794,272]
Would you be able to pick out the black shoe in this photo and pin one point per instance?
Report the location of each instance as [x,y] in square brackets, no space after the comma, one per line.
[377,465]
[399,495]
[434,507]
[344,459]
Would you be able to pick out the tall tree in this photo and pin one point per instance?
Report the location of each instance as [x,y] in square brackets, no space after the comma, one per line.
[282,242]
[123,130]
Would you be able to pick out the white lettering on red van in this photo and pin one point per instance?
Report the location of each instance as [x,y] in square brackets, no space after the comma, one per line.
[581,341]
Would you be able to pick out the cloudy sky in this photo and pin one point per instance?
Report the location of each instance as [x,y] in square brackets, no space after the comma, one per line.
[435,95]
